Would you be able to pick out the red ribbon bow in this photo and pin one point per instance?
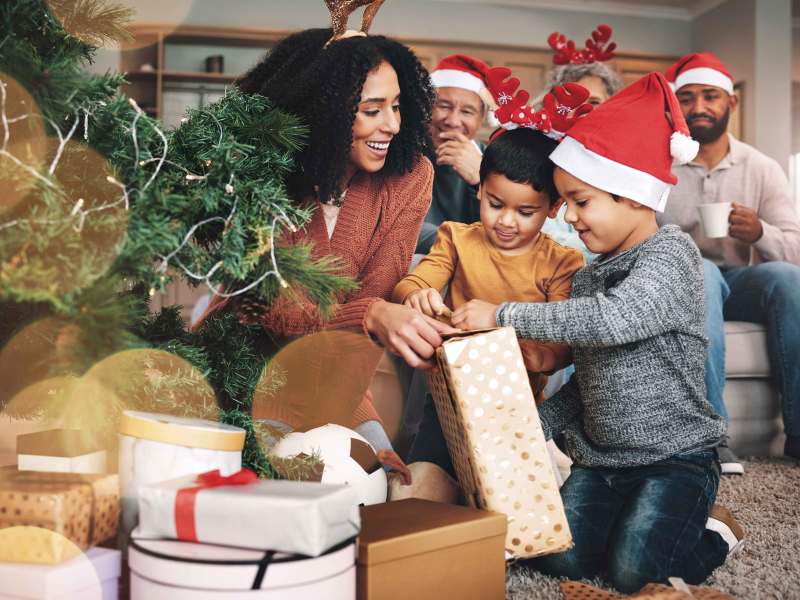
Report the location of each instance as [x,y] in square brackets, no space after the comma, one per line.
[186,498]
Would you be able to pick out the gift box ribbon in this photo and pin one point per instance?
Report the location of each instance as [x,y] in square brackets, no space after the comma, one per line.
[186,499]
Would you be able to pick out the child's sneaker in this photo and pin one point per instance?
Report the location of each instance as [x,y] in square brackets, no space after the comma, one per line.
[721,520]
[729,463]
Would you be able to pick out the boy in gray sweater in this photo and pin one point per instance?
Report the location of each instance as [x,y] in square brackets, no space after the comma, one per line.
[635,416]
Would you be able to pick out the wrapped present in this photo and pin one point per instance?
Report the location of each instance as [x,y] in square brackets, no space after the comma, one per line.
[298,517]
[60,451]
[170,570]
[489,419]
[82,510]
[419,549]
[93,575]
[154,447]
[678,590]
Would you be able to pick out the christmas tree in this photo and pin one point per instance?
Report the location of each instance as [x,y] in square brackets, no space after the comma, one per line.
[100,208]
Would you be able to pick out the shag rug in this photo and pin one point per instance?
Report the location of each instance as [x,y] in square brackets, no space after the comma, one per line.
[766,501]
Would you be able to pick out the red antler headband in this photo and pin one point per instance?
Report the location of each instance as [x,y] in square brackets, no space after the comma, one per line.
[561,108]
[598,48]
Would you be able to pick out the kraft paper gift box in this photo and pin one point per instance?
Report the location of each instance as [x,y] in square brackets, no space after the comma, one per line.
[93,575]
[489,418]
[82,510]
[428,551]
[177,570]
[60,451]
[298,517]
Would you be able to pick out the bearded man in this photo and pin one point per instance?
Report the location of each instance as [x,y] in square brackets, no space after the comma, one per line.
[753,273]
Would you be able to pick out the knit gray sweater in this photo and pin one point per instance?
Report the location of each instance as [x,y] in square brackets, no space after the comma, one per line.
[635,324]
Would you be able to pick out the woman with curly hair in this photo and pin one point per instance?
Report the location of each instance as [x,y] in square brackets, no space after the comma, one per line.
[367,101]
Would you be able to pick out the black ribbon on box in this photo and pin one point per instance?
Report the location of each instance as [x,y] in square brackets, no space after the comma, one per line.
[262,564]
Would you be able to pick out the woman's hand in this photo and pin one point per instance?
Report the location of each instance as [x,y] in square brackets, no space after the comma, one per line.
[406,332]
[475,314]
[428,301]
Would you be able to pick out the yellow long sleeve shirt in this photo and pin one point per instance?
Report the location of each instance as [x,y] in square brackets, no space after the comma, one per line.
[463,257]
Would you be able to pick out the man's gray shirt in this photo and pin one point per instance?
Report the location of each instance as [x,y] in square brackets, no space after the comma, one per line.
[753,180]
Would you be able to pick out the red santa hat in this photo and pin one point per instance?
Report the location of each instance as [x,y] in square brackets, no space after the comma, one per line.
[465,72]
[626,146]
[703,68]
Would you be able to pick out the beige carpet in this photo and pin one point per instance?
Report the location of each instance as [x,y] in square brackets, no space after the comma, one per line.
[766,500]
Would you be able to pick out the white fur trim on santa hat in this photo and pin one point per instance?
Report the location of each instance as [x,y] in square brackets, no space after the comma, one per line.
[682,147]
[457,79]
[610,176]
[704,76]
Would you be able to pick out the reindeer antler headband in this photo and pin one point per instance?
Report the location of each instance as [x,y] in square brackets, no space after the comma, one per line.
[340,13]
[562,108]
[598,48]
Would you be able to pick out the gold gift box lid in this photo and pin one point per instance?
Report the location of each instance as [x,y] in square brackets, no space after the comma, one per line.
[182,431]
[395,530]
[58,442]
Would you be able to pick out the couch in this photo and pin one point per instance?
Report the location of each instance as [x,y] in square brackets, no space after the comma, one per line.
[751,398]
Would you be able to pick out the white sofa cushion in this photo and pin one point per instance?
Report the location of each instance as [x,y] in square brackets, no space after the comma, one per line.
[745,350]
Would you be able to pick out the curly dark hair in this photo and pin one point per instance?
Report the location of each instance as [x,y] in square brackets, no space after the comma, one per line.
[323,84]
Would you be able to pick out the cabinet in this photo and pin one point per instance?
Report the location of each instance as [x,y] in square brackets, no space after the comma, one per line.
[167,71]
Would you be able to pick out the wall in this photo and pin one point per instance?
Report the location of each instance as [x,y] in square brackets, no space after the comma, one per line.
[423,19]
[773,79]
[711,32]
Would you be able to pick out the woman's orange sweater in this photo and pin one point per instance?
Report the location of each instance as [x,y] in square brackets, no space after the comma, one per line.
[375,236]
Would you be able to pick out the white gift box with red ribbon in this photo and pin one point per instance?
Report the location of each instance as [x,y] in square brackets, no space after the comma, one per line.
[295,517]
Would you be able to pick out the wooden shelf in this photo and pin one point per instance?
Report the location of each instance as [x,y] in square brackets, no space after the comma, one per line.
[199,76]
[152,40]
[141,74]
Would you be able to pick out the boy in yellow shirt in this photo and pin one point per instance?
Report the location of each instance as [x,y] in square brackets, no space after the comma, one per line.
[504,257]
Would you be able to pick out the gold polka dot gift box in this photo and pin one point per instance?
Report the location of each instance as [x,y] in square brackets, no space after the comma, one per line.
[48,518]
[489,419]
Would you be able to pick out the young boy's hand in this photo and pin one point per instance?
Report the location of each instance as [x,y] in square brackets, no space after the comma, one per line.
[475,314]
[427,301]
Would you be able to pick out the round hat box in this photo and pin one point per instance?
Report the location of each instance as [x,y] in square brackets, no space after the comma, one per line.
[177,570]
[155,447]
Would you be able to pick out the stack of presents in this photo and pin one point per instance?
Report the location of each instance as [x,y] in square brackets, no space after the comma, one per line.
[175,516]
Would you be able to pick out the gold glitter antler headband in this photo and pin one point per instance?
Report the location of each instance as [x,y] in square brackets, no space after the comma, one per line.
[342,9]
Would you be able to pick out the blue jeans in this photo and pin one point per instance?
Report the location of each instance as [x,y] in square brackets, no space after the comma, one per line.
[767,293]
[641,524]
[716,292]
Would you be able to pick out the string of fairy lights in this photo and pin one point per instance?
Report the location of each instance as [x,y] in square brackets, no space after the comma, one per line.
[78,214]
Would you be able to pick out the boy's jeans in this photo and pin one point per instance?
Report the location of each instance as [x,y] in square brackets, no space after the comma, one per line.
[767,293]
[642,524]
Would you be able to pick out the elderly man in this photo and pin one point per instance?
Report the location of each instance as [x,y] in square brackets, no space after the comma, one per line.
[457,115]
[763,224]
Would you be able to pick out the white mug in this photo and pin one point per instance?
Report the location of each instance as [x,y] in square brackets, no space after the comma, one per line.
[715,218]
